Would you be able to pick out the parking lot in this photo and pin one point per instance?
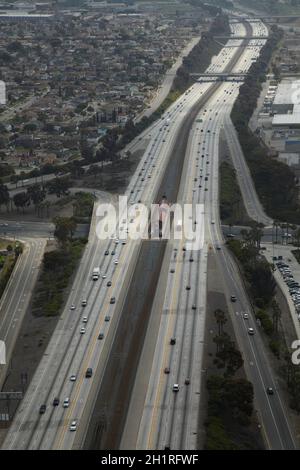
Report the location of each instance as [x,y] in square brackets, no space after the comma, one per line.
[287,275]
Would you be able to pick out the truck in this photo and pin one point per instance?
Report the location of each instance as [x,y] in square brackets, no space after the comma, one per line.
[96,274]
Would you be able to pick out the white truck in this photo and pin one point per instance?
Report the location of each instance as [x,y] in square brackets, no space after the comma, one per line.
[96,274]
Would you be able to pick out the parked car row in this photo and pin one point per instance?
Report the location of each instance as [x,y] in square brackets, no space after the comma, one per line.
[293,286]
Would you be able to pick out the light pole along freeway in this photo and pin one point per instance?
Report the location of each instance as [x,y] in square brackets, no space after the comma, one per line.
[168,419]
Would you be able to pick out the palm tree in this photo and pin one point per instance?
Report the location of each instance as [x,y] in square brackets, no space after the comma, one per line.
[221,320]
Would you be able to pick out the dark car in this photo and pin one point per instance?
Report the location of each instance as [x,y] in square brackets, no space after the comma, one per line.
[89,373]
[270,391]
[56,401]
[42,409]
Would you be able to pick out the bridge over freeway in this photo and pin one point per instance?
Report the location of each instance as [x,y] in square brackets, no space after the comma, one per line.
[216,77]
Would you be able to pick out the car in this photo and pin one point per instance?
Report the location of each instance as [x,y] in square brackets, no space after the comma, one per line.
[82,331]
[73,425]
[270,391]
[89,372]
[175,388]
[246,316]
[173,341]
[108,284]
[66,403]
[167,370]
[194,307]
[42,409]
[250,331]
[172,271]
[188,287]
[113,253]
[233,298]
[56,401]
[107,318]
[84,303]
[101,336]
[72,307]
[73,378]
[84,319]
[112,300]
[116,261]
[187,381]
[106,252]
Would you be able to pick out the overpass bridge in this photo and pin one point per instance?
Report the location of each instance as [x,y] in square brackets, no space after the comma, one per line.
[219,77]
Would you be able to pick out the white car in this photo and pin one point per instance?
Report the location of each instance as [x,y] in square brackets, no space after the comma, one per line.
[73,378]
[84,303]
[175,388]
[66,403]
[250,331]
[82,331]
[246,316]
[73,425]
[116,261]
[84,320]
[72,307]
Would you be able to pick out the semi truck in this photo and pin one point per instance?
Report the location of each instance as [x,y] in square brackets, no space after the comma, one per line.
[96,274]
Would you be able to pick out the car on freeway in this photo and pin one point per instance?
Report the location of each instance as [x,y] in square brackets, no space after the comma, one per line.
[112,300]
[84,303]
[73,378]
[73,425]
[66,403]
[187,381]
[246,316]
[84,319]
[42,409]
[270,391]
[108,284]
[233,298]
[107,318]
[106,252]
[72,307]
[250,331]
[82,331]
[175,388]
[56,401]
[167,370]
[116,261]
[101,336]
[89,372]
[173,341]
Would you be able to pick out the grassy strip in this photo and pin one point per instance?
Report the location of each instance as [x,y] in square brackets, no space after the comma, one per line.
[232,208]
[58,268]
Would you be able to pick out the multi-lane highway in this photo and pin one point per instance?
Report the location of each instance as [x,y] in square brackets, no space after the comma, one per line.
[71,352]
[84,336]
[164,413]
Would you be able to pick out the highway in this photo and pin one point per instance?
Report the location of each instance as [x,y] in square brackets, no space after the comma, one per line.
[159,417]
[71,352]
[16,297]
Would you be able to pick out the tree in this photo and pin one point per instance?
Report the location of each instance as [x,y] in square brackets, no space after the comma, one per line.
[64,229]
[21,200]
[36,194]
[4,195]
[221,319]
